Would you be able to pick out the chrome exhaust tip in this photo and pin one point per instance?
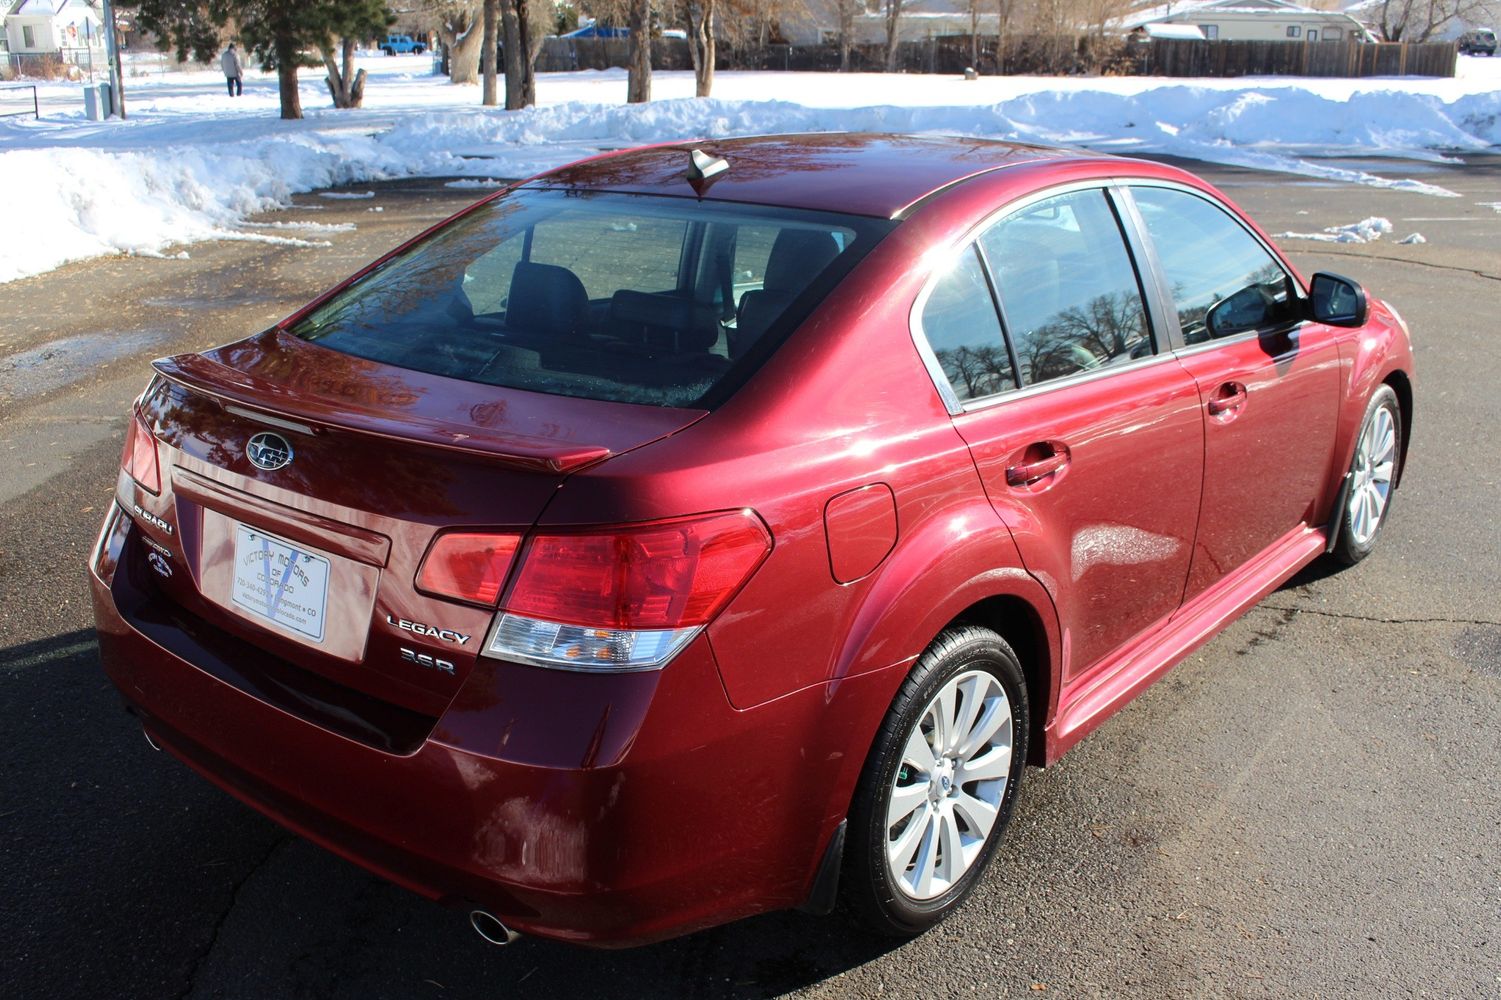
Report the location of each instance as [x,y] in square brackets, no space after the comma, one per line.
[149,741]
[489,927]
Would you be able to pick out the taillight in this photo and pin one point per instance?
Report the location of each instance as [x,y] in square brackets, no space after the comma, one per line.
[468,566]
[139,457]
[626,598]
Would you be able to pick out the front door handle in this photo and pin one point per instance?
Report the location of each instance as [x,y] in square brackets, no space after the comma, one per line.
[1228,398]
[1041,460]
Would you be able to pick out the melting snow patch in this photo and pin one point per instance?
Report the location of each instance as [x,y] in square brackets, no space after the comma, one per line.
[1365,231]
[346,195]
[1414,238]
[476,183]
[306,227]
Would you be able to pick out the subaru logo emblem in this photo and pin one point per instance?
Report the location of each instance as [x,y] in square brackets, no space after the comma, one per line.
[268,451]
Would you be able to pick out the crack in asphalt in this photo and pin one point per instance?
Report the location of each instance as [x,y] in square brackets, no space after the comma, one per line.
[1378,621]
[234,899]
[1476,272]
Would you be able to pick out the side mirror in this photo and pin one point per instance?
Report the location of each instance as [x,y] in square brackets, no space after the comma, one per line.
[1247,309]
[1337,300]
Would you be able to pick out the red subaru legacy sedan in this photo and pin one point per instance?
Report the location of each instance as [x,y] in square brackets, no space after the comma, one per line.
[689,533]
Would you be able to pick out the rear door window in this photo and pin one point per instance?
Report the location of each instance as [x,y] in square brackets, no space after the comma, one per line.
[1070,297]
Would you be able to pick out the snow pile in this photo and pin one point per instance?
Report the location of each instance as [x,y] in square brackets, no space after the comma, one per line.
[1365,231]
[1413,239]
[190,166]
[82,203]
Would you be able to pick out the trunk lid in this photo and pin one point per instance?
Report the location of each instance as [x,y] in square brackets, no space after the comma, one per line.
[382,460]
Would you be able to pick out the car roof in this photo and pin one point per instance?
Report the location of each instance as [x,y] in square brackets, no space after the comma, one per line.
[858,173]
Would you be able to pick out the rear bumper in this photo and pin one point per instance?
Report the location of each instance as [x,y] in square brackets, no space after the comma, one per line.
[612,810]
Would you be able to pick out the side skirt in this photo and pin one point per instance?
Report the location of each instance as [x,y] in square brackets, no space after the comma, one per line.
[1094,698]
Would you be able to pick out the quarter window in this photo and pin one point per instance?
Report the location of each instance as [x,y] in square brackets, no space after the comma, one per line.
[961,325]
[1293,31]
[1223,281]
[1069,292]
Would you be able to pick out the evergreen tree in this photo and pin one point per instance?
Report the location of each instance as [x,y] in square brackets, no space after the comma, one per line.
[278,32]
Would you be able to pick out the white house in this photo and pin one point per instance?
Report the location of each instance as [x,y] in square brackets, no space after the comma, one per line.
[814,22]
[34,27]
[1255,20]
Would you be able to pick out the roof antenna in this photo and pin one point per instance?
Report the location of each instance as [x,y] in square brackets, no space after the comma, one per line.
[704,169]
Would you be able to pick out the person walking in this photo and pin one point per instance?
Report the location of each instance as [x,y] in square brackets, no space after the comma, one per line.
[233,71]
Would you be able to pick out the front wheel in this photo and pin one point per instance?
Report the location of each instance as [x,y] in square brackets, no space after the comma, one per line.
[1373,470]
[938,787]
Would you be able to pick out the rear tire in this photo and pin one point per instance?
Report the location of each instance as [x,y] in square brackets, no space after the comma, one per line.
[1373,471]
[939,784]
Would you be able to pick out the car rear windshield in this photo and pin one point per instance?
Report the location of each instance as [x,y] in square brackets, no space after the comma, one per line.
[629,298]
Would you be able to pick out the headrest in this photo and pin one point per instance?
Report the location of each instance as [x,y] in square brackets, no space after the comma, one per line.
[797,257]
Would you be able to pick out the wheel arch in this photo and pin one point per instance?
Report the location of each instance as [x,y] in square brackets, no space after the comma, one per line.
[1402,386]
[1020,624]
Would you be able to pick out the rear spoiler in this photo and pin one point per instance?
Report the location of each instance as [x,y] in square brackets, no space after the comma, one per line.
[281,407]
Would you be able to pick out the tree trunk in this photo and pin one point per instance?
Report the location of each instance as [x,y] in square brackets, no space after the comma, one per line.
[345,85]
[701,45]
[533,50]
[638,72]
[893,32]
[515,49]
[464,62]
[286,51]
[846,32]
[489,38]
[1002,15]
[974,35]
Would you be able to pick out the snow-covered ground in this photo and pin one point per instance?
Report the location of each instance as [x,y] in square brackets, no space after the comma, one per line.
[191,163]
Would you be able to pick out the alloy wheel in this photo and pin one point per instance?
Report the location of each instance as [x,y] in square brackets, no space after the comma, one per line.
[946,795]
[1371,478]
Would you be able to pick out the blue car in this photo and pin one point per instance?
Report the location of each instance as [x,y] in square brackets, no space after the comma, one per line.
[402,45]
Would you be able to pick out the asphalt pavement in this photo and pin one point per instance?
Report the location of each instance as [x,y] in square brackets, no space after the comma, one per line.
[1308,807]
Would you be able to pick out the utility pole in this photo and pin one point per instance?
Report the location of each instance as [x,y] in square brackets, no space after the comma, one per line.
[112,56]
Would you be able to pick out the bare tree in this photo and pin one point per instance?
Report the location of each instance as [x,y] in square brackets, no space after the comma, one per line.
[974,34]
[1003,14]
[701,45]
[893,10]
[488,41]
[460,28]
[345,83]
[638,70]
[524,32]
[846,11]
[1420,20]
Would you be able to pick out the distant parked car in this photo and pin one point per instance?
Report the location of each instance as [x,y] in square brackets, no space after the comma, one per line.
[402,45]
[690,533]
[1479,42]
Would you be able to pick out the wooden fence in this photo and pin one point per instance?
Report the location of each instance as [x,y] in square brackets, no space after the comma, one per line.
[1193,57]
[1043,55]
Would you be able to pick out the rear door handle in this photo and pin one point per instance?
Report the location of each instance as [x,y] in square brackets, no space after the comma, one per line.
[1229,397]
[1028,473]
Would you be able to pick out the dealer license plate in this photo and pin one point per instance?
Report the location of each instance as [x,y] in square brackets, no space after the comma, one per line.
[279,582]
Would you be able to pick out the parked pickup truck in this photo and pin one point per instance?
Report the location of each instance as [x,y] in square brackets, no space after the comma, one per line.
[401,45]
